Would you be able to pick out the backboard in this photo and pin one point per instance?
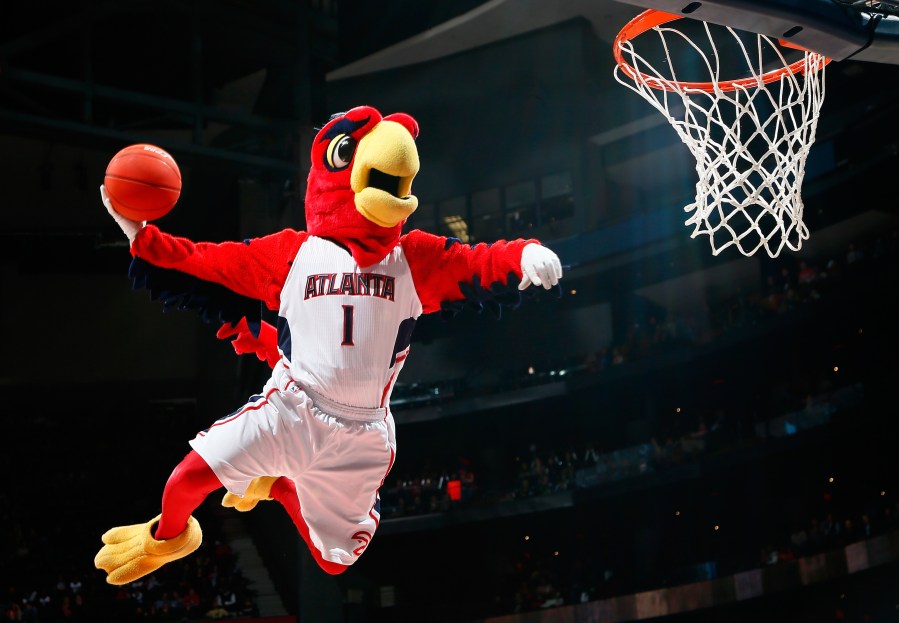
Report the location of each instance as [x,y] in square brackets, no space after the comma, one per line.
[863,30]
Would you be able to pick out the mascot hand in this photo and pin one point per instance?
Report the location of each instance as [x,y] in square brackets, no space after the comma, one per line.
[539,266]
[129,227]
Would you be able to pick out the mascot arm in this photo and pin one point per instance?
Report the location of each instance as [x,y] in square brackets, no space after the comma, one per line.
[256,268]
[446,271]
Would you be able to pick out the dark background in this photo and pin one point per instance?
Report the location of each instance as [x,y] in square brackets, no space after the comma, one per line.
[524,134]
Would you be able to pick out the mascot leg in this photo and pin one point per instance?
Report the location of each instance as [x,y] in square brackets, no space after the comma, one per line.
[284,491]
[131,552]
[189,484]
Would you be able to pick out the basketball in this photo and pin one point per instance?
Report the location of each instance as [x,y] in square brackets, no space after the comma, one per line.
[143,182]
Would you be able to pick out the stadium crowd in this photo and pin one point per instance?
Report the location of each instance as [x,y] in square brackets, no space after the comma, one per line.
[47,576]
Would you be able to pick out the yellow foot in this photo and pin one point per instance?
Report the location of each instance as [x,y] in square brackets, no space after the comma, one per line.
[259,489]
[131,552]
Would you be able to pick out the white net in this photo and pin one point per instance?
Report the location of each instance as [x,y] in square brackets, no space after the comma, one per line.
[751,135]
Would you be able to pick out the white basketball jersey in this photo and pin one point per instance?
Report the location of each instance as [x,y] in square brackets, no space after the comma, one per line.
[343,330]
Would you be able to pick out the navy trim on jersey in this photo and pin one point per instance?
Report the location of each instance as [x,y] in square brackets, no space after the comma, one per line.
[403,338]
[284,341]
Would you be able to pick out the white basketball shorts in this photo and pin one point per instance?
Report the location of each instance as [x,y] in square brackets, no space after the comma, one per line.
[337,462]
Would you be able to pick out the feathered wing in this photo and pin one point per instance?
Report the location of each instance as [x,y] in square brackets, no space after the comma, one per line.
[226,283]
[483,276]
[176,290]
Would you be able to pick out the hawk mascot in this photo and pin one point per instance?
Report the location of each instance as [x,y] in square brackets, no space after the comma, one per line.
[319,437]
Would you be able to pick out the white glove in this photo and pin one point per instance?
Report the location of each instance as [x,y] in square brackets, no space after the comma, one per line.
[129,227]
[539,266]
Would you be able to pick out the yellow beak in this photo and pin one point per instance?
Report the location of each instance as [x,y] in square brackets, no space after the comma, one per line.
[385,163]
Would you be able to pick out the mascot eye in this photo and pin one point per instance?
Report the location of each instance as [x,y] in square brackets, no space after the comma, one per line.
[340,151]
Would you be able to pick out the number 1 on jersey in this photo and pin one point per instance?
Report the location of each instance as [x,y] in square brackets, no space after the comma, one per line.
[347,325]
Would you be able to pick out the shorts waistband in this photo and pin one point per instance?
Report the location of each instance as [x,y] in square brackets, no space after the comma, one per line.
[349,412]
[284,381]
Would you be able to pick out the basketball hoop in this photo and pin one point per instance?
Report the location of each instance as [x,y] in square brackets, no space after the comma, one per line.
[750,135]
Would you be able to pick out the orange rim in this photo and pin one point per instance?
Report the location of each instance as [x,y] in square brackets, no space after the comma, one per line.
[652,17]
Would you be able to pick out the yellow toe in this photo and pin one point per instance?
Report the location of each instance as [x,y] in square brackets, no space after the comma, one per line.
[131,552]
[259,489]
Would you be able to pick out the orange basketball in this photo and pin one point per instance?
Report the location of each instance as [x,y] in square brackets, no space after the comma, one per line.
[143,182]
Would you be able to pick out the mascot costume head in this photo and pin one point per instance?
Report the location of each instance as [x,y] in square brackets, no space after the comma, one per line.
[364,161]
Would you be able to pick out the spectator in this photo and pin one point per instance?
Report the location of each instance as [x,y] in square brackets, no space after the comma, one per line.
[854,255]
[867,528]
[799,541]
[230,601]
[591,457]
[218,610]
[830,529]
[850,532]
[808,274]
[190,602]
